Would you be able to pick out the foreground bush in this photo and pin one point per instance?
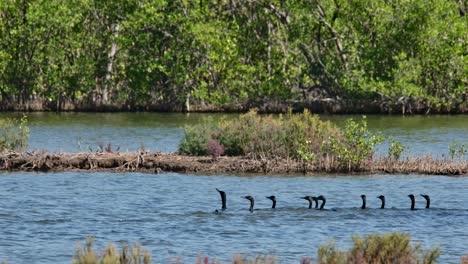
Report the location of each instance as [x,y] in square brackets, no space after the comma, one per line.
[301,137]
[372,249]
[14,134]
[387,248]
[87,255]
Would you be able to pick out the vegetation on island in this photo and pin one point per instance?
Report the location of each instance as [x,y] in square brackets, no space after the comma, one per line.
[385,248]
[301,136]
[14,134]
[171,55]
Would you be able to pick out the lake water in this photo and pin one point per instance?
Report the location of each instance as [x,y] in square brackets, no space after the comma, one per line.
[44,215]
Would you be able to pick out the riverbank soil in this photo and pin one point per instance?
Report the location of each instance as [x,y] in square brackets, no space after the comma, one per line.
[171,162]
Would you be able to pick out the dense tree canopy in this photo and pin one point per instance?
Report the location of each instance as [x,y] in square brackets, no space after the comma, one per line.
[215,52]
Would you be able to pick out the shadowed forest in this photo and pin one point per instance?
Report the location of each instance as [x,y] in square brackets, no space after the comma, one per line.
[227,55]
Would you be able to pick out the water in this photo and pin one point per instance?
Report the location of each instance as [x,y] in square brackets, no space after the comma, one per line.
[73,132]
[43,216]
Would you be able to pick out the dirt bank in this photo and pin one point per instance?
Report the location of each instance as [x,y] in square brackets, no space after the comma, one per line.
[160,162]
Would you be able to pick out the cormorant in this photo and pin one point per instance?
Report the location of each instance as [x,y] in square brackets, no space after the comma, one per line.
[273,199]
[382,198]
[316,202]
[310,199]
[428,200]
[223,199]
[363,197]
[251,199]
[321,197]
[411,196]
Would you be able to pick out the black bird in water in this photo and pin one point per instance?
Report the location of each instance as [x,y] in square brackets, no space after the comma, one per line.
[310,199]
[382,198]
[428,200]
[223,199]
[251,199]
[273,199]
[316,201]
[363,197]
[322,198]
[411,196]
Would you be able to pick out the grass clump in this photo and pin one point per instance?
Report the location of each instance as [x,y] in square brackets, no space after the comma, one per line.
[386,248]
[87,255]
[14,134]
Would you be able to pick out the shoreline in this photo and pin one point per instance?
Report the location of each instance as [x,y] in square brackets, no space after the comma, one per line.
[411,106]
[170,162]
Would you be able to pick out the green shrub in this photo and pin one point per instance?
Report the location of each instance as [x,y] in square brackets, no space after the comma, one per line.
[457,151]
[297,136]
[14,134]
[355,149]
[396,149]
[196,137]
[387,248]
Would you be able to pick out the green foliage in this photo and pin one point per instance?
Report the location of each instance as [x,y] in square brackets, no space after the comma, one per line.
[456,150]
[195,141]
[295,136]
[356,148]
[132,53]
[87,255]
[387,248]
[14,134]
[396,149]
[298,136]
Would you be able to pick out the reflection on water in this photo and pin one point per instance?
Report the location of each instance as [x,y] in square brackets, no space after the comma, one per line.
[42,216]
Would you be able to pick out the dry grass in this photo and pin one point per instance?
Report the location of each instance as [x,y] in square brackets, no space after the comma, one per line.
[154,162]
[379,249]
[464,259]
[87,255]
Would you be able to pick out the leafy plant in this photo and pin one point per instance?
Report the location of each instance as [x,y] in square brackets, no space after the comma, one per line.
[14,134]
[395,149]
[457,151]
[356,147]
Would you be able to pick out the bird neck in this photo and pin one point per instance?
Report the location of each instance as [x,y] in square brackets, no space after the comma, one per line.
[323,204]
[363,204]
[251,205]
[274,204]
[412,203]
[310,204]
[383,204]
[316,204]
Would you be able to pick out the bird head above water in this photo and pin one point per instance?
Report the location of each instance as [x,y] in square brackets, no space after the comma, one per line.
[411,196]
[273,199]
[310,199]
[223,198]
[251,199]
[322,198]
[428,200]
